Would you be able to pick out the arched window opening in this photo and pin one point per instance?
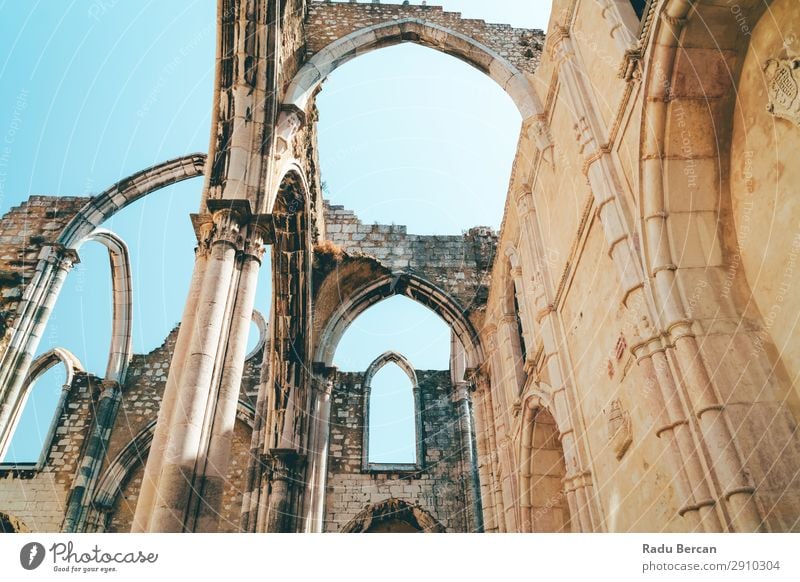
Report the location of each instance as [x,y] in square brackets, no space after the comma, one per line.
[432,135]
[522,345]
[36,415]
[512,319]
[392,426]
[543,499]
[395,324]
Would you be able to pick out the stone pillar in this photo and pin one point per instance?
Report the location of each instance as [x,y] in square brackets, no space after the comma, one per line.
[252,499]
[210,489]
[507,492]
[82,488]
[322,386]
[284,465]
[208,379]
[152,471]
[468,457]
[736,490]
[485,473]
[672,424]
[496,482]
[55,262]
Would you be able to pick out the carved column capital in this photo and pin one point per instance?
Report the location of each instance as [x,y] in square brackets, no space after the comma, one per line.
[284,463]
[109,389]
[556,40]
[59,256]
[479,377]
[324,378]
[231,222]
[524,197]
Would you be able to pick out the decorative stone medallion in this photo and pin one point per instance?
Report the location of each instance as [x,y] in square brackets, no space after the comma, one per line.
[783,88]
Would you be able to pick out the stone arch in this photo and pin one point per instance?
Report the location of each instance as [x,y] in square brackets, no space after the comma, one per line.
[690,249]
[127,191]
[263,330]
[387,358]
[376,366]
[39,366]
[369,290]
[543,499]
[56,260]
[118,471]
[389,513]
[684,134]
[121,349]
[323,63]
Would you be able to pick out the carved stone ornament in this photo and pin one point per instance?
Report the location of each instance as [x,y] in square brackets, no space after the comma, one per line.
[620,433]
[783,88]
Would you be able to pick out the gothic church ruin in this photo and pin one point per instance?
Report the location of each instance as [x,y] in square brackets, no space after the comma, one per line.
[625,356]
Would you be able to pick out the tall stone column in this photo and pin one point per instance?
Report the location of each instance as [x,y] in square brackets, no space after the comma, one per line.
[485,473]
[210,489]
[152,470]
[85,480]
[736,490]
[322,386]
[285,464]
[673,425]
[55,263]
[507,493]
[461,399]
[195,457]
[493,453]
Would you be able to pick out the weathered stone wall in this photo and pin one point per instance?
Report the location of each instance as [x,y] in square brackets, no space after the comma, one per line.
[121,517]
[330,21]
[38,497]
[457,264]
[764,196]
[24,230]
[141,401]
[439,487]
[621,362]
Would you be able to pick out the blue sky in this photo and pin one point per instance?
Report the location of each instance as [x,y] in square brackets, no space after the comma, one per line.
[92,91]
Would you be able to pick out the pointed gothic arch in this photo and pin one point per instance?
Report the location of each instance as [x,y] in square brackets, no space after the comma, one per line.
[393,516]
[544,502]
[39,367]
[376,366]
[357,292]
[511,79]
[58,258]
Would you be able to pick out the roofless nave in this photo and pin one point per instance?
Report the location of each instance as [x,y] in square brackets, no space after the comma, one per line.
[624,356]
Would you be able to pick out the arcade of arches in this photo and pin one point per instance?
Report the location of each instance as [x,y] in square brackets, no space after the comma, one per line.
[625,356]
